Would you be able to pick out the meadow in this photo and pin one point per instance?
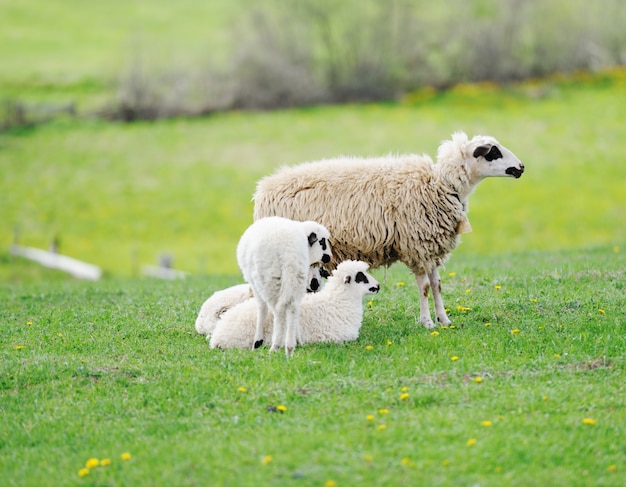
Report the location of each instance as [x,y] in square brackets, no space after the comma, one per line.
[107,383]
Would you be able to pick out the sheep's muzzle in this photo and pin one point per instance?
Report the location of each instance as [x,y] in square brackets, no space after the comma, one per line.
[515,172]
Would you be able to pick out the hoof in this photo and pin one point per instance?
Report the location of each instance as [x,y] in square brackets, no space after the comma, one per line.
[257,344]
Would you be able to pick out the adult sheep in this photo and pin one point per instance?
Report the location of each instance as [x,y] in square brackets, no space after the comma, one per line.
[334,314]
[275,256]
[221,301]
[394,208]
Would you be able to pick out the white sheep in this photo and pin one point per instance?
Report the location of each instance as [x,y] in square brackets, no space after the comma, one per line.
[221,301]
[394,208]
[334,314]
[275,255]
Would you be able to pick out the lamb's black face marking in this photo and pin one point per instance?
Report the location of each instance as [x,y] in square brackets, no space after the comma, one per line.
[314,285]
[323,243]
[489,152]
[375,289]
[515,172]
[324,273]
[493,154]
[325,258]
[360,277]
[312,238]
[347,279]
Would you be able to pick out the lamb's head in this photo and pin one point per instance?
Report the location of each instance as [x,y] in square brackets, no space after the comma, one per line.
[319,246]
[481,157]
[354,273]
[317,274]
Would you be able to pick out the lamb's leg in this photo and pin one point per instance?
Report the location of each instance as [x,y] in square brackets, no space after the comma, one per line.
[440,309]
[423,285]
[261,316]
[292,330]
[278,335]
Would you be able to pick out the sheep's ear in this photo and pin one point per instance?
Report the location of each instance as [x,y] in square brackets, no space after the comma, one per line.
[347,279]
[312,238]
[488,151]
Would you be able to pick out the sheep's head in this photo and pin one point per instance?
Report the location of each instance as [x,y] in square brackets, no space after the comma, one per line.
[480,157]
[319,246]
[317,274]
[354,273]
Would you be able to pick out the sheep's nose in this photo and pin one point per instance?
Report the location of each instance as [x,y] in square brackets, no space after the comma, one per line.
[314,285]
[325,258]
[375,289]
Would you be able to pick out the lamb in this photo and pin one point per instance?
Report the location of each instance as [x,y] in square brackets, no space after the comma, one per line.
[275,255]
[221,301]
[333,314]
[395,208]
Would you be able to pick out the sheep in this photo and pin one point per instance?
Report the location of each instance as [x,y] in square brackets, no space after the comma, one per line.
[395,208]
[275,255]
[333,314]
[221,301]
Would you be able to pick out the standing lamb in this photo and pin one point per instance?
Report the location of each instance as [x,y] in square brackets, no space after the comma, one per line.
[333,315]
[275,255]
[221,301]
[394,208]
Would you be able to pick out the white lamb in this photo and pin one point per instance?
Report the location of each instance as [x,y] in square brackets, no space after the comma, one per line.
[275,255]
[221,301]
[333,315]
[394,208]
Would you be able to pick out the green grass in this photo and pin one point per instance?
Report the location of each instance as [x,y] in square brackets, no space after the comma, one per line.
[98,369]
[119,195]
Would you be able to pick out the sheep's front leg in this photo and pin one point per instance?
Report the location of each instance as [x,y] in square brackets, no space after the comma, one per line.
[261,316]
[423,285]
[440,309]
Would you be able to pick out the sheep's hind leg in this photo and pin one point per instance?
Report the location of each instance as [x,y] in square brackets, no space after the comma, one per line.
[292,328]
[278,335]
[261,316]
[423,284]
[440,309]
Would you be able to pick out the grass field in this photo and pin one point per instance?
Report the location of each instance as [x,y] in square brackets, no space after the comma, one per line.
[119,195]
[527,387]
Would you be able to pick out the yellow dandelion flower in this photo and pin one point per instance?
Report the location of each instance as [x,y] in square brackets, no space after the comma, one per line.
[126,456]
[383,411]
[369,347]
[266,459]
[612,468]
[616,249]
[368,458]
[486,423]
[330,483]
[497,287]
[381,427]
[487,324]
[370,303]
[462,308]
[83,471]
[444,327]
[533,300]
[370,417]
[452,327]
[454,358]
[557,355]
[478,380]
[544,398]
[105,462]
[389,342]
[281,408]
[601,311]
[498,469]
[445,462]
[60,335]
[242,389]
[404,389]
[406,461]
[92,463]
[515,331]
[19,347]
[434,333]
[404,396]
[471,442]
[29,323]
[452,274]
[589,421]
[467,291]
[400,284]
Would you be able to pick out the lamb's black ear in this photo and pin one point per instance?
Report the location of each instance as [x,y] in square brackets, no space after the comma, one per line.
[312,238]
[482,150]
[347,279]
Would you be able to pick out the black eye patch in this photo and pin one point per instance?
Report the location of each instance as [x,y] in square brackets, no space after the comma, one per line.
[494,153]
[323,243]
[360,277]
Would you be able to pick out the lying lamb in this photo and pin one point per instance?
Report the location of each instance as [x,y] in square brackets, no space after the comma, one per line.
[221,301]
[275,255]
[334,314]
[394,208]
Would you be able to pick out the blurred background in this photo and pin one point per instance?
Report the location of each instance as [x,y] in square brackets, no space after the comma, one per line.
[132,133]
